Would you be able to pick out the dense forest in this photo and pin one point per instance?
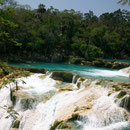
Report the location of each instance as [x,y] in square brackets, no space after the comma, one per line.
[51,35]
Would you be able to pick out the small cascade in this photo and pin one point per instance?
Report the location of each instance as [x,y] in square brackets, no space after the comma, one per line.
[115,126]
[6,112]
[106,115]
[39,103]
[77,83]
[73,80]
[125,102]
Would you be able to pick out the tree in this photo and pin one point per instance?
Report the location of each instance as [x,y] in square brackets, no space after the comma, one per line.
[123,2]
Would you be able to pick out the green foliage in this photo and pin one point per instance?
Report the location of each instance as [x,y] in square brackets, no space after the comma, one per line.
[16,124]
[121,94]
[94,51]
[54,126]
[41,33]
[116,88]
[123,2]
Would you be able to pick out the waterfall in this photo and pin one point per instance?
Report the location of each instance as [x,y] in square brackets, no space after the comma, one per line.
[73,80]
[125,71]
[39,103]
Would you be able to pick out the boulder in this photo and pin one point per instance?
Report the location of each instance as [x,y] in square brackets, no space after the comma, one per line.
[63,76]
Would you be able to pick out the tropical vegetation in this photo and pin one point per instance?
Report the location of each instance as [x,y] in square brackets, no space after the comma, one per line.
[45,34]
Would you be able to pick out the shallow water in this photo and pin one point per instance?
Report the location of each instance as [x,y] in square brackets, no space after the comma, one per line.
[95,72]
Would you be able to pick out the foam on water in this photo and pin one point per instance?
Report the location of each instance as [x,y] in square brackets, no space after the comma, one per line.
[35,85]
[5,123]
[114,126]
[104,114]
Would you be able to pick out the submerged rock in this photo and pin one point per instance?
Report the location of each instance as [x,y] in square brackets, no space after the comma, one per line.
[63,76]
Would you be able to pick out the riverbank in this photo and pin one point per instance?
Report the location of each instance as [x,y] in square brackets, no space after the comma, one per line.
[97,62]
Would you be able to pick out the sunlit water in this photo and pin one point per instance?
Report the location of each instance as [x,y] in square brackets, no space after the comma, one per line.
[95,72]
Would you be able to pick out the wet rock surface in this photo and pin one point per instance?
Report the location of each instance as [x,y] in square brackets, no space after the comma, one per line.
[63,76]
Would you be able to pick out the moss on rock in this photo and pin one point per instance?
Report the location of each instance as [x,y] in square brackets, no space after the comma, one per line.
[12,96]
[121,94]
[125,102]
[63,76]
[55,124]
[16,124]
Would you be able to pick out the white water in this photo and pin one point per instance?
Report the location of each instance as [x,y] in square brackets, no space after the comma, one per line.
[105,73]
[104,114]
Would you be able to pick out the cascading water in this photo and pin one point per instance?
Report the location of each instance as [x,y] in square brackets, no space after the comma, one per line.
[46,103]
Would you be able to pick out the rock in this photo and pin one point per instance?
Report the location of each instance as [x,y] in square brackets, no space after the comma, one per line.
[116,87]
[75,60]
[108,64]
[86,63]
[63,76]
[125,102]
[76,78]
[79,83]
[12,96]
[60,125]
[27,103]
[121,94]
[36,70]
[99,63]
[68,88]
[33,70]
[120,65]
[54,126]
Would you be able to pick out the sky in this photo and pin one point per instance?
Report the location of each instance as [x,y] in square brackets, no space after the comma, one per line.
[97,6]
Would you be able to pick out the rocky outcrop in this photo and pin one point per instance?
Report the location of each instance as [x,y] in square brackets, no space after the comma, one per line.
[63,76]
[33,70]
[36,70]
[107,64]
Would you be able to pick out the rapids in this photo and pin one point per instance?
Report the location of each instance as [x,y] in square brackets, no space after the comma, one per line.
[40,101]
[95,72]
